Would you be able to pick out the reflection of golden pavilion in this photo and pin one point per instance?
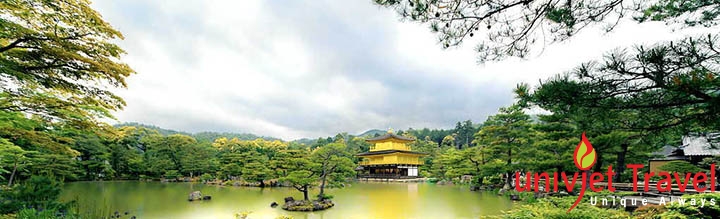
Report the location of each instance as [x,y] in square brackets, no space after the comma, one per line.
[390,157]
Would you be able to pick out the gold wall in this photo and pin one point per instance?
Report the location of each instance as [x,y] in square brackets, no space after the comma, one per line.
[394,158]
[389,145]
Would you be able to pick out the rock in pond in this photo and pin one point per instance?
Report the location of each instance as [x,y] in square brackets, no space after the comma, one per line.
[273,205]
[196,195]
[303,205]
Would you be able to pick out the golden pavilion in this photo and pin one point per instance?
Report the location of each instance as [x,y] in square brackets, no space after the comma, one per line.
[390,157]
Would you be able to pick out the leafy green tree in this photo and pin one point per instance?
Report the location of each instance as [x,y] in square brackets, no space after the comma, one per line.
[58,166]
[357,145]
[478,158]
[40,192]
[464,132]
[205,177]
[662,87]
[34,134]
[435,135]
[554,143]
[284,162]
[432,149]
[231,170]
[255,167]
[334,165]
[126,162]
[451,164]
[59,61]
[257,172]
[165,152]
[94,154]
[299,174]
[198,158]
[506,133]
[172,174]
[12,157]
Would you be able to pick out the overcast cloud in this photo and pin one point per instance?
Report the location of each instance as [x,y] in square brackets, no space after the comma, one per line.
[312,68]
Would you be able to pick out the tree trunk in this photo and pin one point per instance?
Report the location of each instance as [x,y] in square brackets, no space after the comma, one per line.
[322,187]
[621,162]
[305,193]
[12,175]
[508,179]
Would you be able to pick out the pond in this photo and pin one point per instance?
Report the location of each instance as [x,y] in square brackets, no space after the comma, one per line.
[358,200]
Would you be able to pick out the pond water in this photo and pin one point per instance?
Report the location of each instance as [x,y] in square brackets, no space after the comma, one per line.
[358,200]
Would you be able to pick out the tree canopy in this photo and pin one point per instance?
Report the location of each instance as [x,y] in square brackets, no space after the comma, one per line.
[516,28]
[58,60]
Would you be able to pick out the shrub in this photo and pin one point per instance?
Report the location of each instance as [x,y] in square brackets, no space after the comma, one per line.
[30,213]
[206,177]
[649,211]
[687,210]
[172,174]
[680,166]
[553,207]
[37,192]
[325,197]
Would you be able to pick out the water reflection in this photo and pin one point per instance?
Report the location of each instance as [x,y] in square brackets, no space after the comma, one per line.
[359,200]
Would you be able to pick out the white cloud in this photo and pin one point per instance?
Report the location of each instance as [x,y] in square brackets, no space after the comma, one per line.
[315,68]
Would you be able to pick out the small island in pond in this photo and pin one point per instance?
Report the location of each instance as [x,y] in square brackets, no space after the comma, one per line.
[306,205]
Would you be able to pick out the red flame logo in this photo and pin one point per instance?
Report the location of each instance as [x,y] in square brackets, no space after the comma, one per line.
[584,156]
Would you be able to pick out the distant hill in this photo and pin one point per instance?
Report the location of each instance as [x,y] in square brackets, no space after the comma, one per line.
[162,131]
[211,136]
[305,141]
[200,136]
[372,132]
[367,134]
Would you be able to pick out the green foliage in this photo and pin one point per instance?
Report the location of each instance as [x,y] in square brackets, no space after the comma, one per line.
[660,88]
[172,174]
[680,166]
[206,177]
[325,197]
[333,165]
[62,72]
[554,207]
[31,213]
[38,192]
[12,159]
[700,12]
[464,134]
[652,211]
[257,171]
[686,210]
[504,134]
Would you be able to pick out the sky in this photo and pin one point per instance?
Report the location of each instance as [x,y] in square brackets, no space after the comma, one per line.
[314,68]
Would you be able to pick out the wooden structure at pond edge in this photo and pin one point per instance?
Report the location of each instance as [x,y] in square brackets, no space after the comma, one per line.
[389,158]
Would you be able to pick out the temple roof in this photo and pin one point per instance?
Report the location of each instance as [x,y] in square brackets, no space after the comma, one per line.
[390,136]
[701,144]
[388,152]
